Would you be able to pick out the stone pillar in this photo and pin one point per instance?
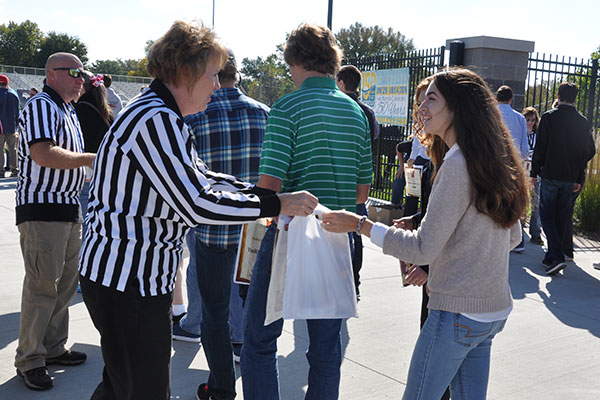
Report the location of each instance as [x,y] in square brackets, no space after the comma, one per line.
[500,62]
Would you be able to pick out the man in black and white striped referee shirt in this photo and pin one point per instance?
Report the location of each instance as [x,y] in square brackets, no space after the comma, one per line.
[51,174]
[148,188]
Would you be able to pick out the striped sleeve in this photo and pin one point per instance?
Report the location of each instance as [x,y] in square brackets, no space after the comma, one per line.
[162,155]
[277,146]
[40,120]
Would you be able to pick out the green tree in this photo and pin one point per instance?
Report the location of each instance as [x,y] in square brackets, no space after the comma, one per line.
[114,67]
[359,41]
[56,42]
[19,43]
[266,79]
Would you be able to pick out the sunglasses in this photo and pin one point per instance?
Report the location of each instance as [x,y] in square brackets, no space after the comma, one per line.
[73,72]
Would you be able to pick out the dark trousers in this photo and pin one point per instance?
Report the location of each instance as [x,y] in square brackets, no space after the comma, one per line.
[555,202]
[214,267]
[357,249]
[135,336]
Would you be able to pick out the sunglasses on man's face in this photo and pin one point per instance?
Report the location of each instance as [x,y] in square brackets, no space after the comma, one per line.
[73,72]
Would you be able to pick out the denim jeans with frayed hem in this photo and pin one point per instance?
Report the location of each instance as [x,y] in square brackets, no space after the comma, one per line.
[451,350]
[260,375]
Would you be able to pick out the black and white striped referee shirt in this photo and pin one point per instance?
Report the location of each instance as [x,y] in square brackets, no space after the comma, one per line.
[148,188]
[48,194]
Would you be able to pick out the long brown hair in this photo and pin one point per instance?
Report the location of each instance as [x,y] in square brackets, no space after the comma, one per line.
[435,146]
[493,164]
[98,94]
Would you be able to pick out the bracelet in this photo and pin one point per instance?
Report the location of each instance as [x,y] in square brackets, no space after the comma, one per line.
[361,221]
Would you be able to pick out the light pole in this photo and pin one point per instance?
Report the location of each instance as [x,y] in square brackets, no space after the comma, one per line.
[213,16]
[329,14]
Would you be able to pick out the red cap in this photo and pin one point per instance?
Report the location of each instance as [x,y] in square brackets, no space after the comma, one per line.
[4,79]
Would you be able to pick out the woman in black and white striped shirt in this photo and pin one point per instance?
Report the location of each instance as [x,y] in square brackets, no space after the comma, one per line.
[148,188]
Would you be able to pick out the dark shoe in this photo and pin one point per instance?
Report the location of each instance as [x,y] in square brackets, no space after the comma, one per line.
[519,249]
[37,378]
[237,352]
[547,262]
[184,336]
[537,241]
[203,393]
[555,267]
[177,318]
[69,357]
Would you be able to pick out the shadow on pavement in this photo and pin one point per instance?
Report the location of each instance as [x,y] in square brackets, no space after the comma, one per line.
[184,379]
[9,328]
[76,382]
[571,296]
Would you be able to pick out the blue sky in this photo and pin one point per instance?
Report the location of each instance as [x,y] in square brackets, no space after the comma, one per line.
[119,29]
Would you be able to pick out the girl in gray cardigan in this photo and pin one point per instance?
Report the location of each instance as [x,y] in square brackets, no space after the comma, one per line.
[472,221]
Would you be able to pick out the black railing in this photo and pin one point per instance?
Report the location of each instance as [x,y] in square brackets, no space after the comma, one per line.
[421,63]
[546,72]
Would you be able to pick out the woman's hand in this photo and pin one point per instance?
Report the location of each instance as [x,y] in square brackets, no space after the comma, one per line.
[405,223]
[416,276]
[340,221]
[298,203]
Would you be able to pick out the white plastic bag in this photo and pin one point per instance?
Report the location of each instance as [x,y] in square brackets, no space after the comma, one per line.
[319,282]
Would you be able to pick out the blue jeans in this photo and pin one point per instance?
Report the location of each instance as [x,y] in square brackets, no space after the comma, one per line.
[214,269]
[451,350]
[555,203]
[260,376]
[398,190]
[192,320]
[534,221]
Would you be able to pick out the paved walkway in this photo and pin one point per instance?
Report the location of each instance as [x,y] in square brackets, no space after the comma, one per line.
[550,348]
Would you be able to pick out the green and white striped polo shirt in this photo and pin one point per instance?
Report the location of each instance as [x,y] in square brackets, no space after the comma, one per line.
[318,139]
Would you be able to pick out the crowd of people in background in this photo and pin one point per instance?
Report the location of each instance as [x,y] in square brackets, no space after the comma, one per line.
[108,196]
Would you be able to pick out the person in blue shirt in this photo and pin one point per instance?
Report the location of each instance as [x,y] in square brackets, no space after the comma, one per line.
[516,124]
[9,112]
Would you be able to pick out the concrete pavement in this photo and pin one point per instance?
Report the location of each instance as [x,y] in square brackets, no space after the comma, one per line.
[550,348]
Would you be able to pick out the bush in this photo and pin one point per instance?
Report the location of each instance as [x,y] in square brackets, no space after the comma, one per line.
[587,207]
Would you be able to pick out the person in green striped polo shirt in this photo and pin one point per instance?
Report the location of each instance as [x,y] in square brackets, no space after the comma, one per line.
[317,139]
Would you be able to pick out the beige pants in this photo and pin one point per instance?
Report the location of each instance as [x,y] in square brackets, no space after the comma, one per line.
[11,144]
[50,255]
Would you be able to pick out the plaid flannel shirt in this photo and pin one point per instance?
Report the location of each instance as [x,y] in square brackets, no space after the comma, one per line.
[229,136]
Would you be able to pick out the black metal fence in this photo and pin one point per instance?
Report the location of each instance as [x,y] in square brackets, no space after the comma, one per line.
[546,72]
[421,63]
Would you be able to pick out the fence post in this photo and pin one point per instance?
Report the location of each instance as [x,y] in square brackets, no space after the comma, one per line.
[592,98]
[499,61]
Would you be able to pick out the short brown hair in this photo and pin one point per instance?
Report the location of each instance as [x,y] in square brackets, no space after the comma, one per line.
[314,48]
[504,93]
[229,72]
[567,92]
[351,77]
[180,56]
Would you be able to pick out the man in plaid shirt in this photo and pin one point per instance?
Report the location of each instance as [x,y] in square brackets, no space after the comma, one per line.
[229,136]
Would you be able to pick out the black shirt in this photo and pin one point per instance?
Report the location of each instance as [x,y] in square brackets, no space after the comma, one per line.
[564,145]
